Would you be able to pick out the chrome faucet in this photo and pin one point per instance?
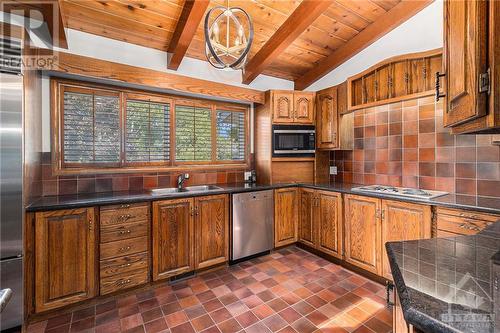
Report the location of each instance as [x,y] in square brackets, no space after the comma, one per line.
[180,180]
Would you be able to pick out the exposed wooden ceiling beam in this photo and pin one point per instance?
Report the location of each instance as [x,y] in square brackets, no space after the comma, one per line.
[191,16]
[384,24]
[301,18]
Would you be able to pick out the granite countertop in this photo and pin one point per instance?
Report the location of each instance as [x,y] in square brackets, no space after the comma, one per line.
[106,198]
[449,284]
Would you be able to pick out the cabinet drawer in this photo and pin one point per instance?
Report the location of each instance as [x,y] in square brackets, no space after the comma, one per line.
[120,214]
[123,281]
[468,214]
[459,225]
[118,232]
[124,247]
[120,265]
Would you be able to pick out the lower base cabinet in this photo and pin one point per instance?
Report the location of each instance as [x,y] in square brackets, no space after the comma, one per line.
[65,257]
[189,234]
[320,222]
[286,210]
[453,222]
[371,222]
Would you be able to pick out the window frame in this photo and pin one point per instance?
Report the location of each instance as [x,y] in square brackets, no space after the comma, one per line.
[59,167]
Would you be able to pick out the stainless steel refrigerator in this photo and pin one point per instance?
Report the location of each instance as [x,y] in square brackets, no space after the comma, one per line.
[11,185]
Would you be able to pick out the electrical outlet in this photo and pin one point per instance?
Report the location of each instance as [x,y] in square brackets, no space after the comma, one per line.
[333,170]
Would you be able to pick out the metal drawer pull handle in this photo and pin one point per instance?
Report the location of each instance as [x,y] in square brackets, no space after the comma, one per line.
[123,232]
[438,86]
[121,283]
[124,265]
[126,248]
[125,206]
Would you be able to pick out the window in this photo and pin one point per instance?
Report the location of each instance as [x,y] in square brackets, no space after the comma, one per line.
[230,135]
[108,128]
[147,136]
[193,133]
[91,127]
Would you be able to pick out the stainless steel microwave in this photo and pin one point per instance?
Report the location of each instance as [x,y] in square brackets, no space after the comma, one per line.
[293,141]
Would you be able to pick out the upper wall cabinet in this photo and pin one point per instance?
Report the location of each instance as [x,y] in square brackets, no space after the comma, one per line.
[395,79]
[334,128]
[291,107]
[471,66]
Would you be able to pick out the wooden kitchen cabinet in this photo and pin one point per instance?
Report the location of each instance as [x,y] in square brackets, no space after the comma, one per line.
[286,204]
[173,237]
[189,233]
[402,221]
[320,224]
[363,232]
[371,222]
[212,230]
[455,222]
[292,107]
[471,66]
[334,128]
[65,257]
[307,221]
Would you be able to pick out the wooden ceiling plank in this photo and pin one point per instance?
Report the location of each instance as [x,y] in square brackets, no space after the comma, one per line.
[370,34]
[301,18]
[192,15]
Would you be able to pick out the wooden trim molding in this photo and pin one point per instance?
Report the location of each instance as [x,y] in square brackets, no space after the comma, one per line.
[301,18]
[191,16]
[87,67]
[384,24]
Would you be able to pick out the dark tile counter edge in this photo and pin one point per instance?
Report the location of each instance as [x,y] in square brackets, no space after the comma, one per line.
[108,198]
[412,316]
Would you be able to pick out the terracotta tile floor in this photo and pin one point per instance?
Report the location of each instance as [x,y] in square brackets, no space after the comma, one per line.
[287,291]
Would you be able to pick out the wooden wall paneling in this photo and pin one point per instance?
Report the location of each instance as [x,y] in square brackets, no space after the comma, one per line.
[101,69]
[465,58]
[362,232]
[263,141]
[211,230]
[383,24]
[191,16]
[403,221]
[301,18]
[173,237]
[286,211]
[322,167]
[65,257]
[342,98]
[307,219]
[346,131]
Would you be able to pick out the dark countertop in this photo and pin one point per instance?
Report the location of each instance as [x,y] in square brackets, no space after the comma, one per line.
[449,284]
[106,198]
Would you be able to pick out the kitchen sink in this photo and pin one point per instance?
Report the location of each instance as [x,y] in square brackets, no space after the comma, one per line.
[175,190]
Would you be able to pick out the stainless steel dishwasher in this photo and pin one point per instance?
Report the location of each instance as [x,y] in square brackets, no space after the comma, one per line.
[253,223]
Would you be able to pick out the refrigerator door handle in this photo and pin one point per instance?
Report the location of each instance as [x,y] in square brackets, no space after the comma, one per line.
[5,295]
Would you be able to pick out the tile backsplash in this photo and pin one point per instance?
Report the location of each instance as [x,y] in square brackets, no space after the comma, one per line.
[405,144]
[85,184]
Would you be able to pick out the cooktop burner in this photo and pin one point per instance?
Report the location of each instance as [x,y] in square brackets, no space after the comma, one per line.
[400,191]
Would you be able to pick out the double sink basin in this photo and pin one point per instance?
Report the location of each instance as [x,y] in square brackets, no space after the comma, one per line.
[187,189]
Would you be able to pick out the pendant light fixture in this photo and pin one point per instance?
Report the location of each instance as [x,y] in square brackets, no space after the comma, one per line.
[228,37]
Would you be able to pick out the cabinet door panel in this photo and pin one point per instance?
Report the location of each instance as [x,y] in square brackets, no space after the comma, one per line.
[329,223]
[285,216]
[417,71]
[369,88]
[303,108]
[212,223]
[173,237]
[342,98]
[327,119]
[282,107]
[307,218]
[403,221]
[65,259]
[383,83]
[435,64]
[465,58]
[399,78]
[362,235]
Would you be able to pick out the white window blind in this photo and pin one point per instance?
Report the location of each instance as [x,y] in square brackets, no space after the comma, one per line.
[91,128]
[147,137]
[193,133]
[230,135]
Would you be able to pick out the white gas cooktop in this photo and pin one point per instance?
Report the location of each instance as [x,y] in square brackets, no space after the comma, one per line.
[400,191]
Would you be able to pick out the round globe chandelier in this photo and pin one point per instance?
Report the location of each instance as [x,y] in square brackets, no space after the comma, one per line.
[228,37]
